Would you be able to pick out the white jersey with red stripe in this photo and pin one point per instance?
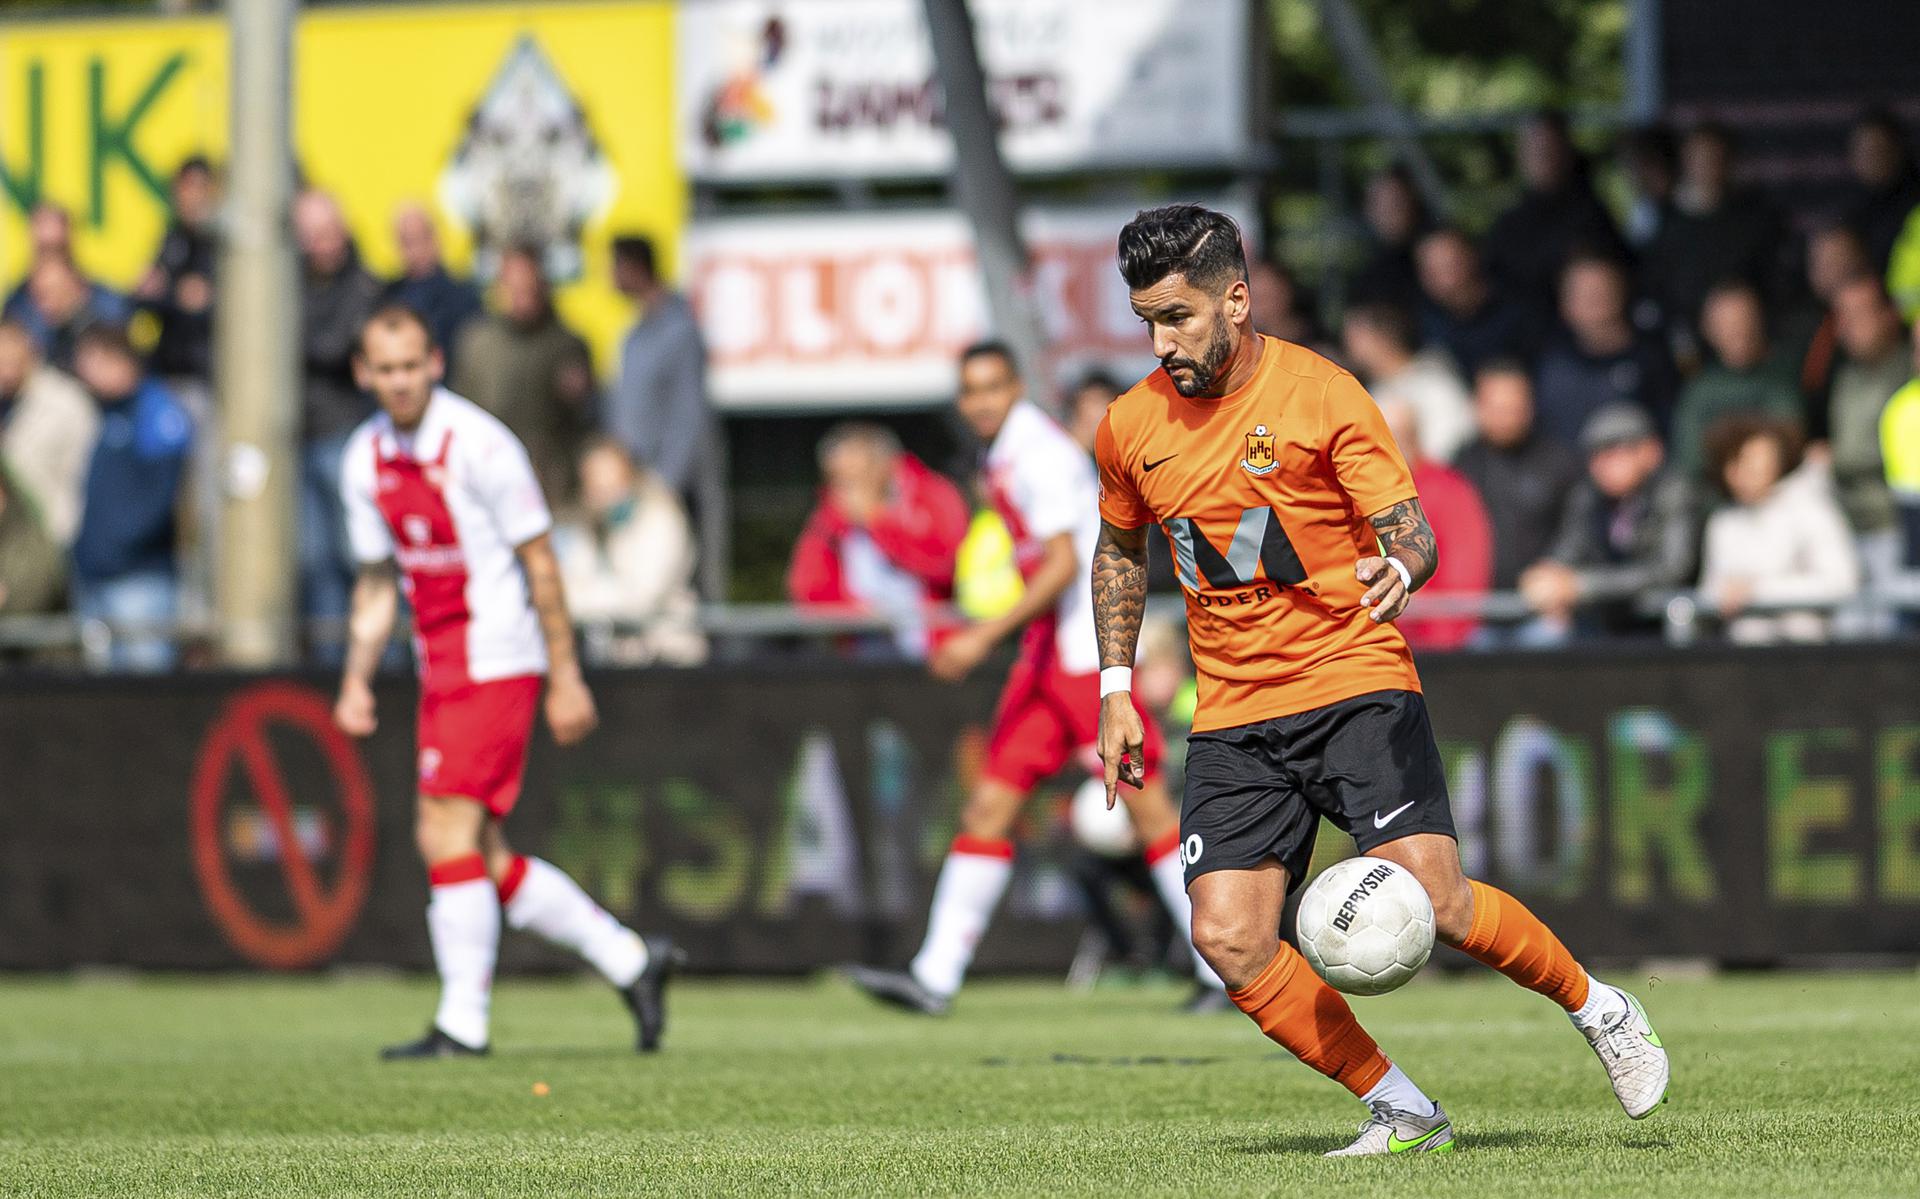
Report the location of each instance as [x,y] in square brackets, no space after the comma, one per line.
[450,503]
[1043,484]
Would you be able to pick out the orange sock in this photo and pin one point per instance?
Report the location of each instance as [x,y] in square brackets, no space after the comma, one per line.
[1506,936]
[1293,1006]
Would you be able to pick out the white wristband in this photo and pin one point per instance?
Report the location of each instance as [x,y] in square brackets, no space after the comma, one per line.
[1115,678]
[1406,576]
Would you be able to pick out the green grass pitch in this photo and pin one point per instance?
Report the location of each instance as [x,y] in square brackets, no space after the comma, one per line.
[1784,1085]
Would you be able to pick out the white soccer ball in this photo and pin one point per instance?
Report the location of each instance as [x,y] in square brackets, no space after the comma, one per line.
[1109,834]
[1366,926]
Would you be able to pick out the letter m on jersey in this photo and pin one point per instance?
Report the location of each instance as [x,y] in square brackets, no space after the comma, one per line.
[1259,547]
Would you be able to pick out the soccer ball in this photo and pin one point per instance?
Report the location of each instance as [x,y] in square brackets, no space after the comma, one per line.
[1366,926]
[1107,833]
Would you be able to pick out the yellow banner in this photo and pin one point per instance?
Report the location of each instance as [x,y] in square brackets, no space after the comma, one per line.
[512,122]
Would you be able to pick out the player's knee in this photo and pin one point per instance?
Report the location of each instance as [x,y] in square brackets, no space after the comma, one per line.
[440,832]
[1236,947]
[1452,908]
[984,816]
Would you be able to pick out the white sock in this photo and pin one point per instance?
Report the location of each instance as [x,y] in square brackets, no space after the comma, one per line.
[463,922]
[549,903]
[969,889]
[1399,1093]
[1170,879]
[1603,1002]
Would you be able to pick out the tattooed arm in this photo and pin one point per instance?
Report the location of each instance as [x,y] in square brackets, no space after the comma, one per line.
[1407,538]
[1119,603]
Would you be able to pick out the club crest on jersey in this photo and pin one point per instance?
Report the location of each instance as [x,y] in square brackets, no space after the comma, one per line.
[1261,458]
[419,529]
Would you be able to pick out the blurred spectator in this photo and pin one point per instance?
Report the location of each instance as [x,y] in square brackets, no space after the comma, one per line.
[629,561]
[1650,158]
[1628,532]
[1087,403]
[1396,218]
[32,568]
[1523,477]
[47,430]
[337,295]
[1875,364]
[57,303]
[528,368]
[1379,345]
[1282,308]
[1808,336]
[1781,541]
[123,559]
[659,407]
[49,236]
[1716,232]
[1601,358]
[178,288]
[1556,216]
[1886,184]
[1741,380]
[1459,523]
[1461,314]
[425,285]
[1900,447]
[884,535]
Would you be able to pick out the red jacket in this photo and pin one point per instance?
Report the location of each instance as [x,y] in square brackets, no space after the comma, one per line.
[1465,539]
[919,531]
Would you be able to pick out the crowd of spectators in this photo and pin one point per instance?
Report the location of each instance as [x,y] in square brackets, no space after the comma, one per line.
[1696,394]
[111,471]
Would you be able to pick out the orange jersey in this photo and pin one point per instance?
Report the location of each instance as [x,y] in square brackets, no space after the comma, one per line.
[1264,495]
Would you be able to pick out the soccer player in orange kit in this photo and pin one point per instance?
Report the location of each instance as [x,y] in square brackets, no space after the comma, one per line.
[1298,539]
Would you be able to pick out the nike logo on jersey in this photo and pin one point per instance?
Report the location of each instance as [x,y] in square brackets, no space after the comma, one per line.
[1380,821]
[1147,466]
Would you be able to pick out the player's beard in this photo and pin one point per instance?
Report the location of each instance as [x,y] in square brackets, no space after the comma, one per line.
[1204,373]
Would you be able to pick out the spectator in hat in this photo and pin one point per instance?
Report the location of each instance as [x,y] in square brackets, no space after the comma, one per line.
[1778,558]
[1627,533]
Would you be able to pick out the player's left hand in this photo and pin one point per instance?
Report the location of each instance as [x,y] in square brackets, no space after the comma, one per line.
[1386,595]
[1123,740]
[570,711]
[955,657]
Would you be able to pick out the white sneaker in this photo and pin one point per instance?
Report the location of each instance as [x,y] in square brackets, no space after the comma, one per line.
[1390,1131]
[1635,1059]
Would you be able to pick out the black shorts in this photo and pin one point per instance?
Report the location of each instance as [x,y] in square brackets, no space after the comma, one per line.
[1257,792]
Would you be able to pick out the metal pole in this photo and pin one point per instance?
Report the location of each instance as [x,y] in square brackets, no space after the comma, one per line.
[257,364]
[1644,50]
[986,191]
[1354,45]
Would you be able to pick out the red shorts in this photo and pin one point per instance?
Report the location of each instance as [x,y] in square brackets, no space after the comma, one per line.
[1047,719]
[474,738]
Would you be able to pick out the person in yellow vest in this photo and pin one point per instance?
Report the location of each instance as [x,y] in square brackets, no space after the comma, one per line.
[1900,449]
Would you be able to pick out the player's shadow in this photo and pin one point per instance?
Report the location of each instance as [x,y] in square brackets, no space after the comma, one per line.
[1315,1144]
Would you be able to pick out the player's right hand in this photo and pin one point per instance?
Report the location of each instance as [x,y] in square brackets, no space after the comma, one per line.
[1123,741]
[353,712]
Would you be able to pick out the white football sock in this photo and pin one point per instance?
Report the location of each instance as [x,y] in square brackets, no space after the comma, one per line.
[549,903]
[463,922]
[969,889]
[1170,879]
[1399,1093]
[1603,1003]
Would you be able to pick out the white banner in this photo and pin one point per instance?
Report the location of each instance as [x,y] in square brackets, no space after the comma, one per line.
[871,308]
[802,89]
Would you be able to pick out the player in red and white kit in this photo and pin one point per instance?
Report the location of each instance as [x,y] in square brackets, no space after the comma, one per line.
[439,488]
[1045,489]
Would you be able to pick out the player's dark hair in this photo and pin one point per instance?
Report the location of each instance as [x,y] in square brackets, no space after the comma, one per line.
[1182,239]
[394,314]
[993,347]
[636,250]
[1391,321]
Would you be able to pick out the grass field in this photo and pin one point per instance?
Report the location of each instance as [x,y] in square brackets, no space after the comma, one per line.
[1783,1086]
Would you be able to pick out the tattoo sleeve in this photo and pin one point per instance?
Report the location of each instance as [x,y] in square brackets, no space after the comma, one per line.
[1405,534]
[1119,592]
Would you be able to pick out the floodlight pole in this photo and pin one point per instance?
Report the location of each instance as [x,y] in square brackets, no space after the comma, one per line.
[986,191]
[256,340]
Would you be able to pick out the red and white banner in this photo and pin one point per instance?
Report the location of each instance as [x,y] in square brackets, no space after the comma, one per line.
[869,309]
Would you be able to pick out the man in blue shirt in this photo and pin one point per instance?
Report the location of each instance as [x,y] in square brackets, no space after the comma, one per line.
[123,558]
